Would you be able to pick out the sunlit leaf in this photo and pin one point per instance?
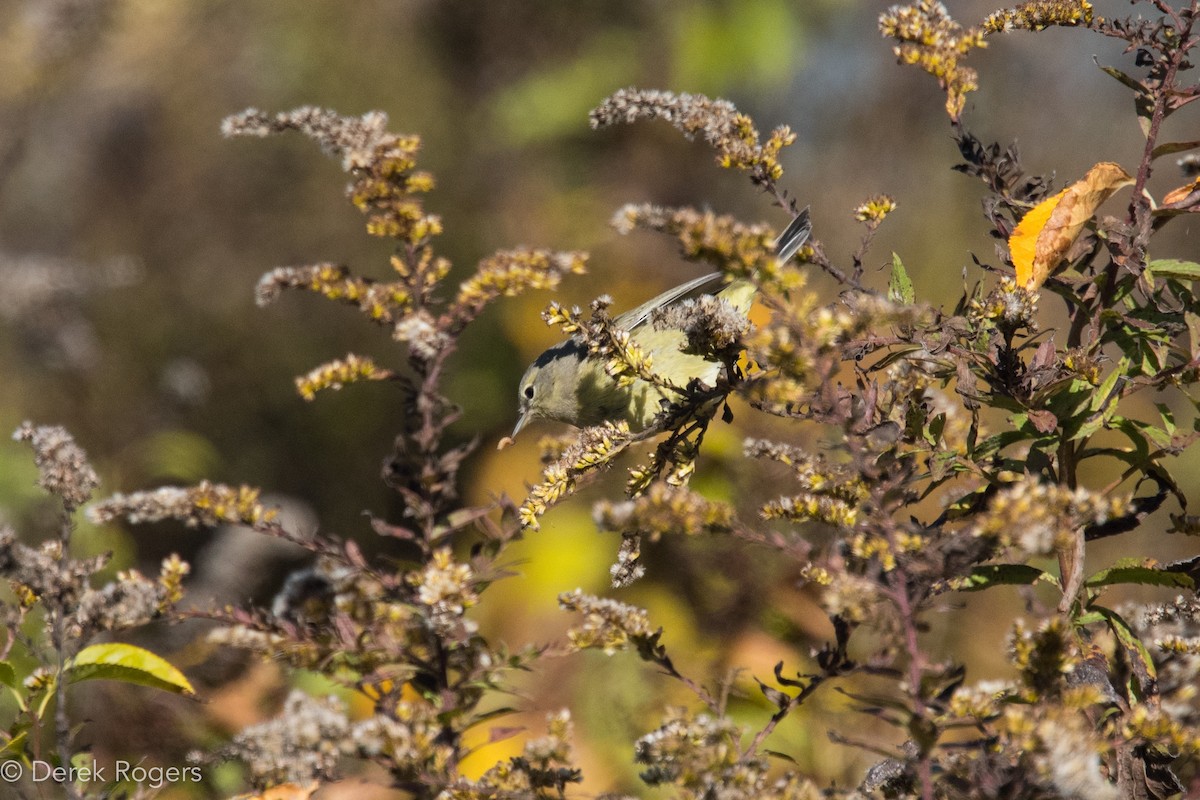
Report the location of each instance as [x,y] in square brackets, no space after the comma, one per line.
[900,288]
[989,575]
[1174,268]
[15,746]
[287,791]
[1123,78]
[1041,240]
[129,664]
[1140,572]
[1183,198]
[1169,148]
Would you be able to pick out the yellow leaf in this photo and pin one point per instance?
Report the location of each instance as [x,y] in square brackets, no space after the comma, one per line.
[127,663]
[1023,243]
[285,791]
[1041,240]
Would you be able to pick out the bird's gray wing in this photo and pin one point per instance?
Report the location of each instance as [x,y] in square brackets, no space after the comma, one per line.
[791,240]
[705,284]
[793,237]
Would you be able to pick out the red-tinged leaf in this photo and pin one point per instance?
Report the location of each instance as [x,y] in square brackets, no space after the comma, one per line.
[1182,197]
[1044,421]
[354,554]
[500,734]
[394,531]
[1044,356]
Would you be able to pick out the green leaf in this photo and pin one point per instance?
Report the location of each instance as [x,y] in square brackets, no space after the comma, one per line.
[129,664]
[1168,417]
[8,675]
[1175,268]
[1123,78]
[1103,404]
[781,756]
[1136,570]
[1167,148]
[14,747]
[1103,393]
[900,288]
[989,575]
[1139,657]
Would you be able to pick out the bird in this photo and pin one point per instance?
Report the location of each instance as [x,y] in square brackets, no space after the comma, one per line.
[566,385]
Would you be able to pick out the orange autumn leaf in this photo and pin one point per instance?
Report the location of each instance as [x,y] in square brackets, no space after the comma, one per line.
[1041,240]
[1177,196]
[286,791]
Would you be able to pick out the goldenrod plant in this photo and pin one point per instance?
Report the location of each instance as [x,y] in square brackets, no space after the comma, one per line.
[917,457]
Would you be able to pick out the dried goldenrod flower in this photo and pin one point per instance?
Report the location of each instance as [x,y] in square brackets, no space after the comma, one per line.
[170,578]
[510,272]
[851,597]
[425,337]
[1044,656]
[541,771]
[595,447]
[63,468]
[874,209]
[720,240]
[410,736]
[1153,726]
[207,504]
[129,601]
[1063,749]
[381,302]
[338,373]
[383,164]
[867,546]
[628,567]
[447,589]
[702,756]
[929,38]
[981,701]
[608,625]
[300,745]
[357,140]
[1037,15]
[1009,303]
[1036,518]
[811,507]
[711,324]
[664,509]
[264,643]
[727,131]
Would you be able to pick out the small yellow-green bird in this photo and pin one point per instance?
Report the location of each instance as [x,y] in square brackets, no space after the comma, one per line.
[564,384]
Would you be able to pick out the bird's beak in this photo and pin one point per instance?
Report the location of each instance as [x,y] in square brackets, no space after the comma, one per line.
[521,423]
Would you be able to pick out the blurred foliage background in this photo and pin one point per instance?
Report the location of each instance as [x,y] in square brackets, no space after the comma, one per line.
[132,235]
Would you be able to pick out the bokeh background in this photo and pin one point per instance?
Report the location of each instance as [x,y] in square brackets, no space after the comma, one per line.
[132,236]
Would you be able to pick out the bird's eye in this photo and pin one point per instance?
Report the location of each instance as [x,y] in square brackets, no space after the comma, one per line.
[529,392]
